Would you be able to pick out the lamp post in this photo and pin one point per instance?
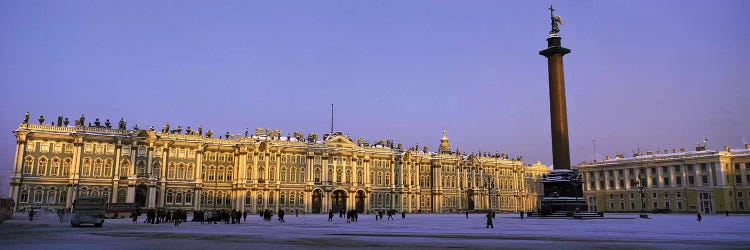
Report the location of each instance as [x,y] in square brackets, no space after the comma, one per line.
[641,185]
[489,184]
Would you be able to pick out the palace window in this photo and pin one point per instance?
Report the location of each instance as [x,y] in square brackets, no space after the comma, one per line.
[301,198]
[270,198]
[86,170]
[28,165]
[88,148]
[249,172]
[282,198]
[316,174]
[292,175]
[99,149]
[31,146]
[124,169]
[170,196]
[38,196]
[348,176]
[42,169]
[180,171]
[55,169]
[291,199]
[98,167]
[57,148]
[282,174]
[271,174]
[260,199]
[229,173]
[248,198]
[220,174]
[387,178]
[108,168]
[178,198]
[302,177]
[24,197]
[189,173]
[359,177]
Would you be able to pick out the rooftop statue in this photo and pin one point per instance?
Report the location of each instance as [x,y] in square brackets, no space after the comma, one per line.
[26,118]
[122,124]
[555,21]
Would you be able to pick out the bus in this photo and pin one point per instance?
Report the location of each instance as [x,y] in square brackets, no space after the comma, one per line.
[6,209]
[120,210]
[88,210]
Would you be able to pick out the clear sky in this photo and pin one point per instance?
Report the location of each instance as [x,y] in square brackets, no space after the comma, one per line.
[642,74]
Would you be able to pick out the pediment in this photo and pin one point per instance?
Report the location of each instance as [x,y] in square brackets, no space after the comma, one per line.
[340,141]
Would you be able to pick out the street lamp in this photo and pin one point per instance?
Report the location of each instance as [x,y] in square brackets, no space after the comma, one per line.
[489,184]
[641,185]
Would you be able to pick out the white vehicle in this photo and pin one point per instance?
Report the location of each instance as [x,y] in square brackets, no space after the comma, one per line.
[88,210]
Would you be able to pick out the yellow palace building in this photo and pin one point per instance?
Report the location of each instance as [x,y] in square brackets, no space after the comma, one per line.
[703,181]
[192,170]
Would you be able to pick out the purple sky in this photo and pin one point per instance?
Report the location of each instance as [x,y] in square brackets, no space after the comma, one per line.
[642,74]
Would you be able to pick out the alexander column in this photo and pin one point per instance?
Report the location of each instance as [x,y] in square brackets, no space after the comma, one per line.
[558,111]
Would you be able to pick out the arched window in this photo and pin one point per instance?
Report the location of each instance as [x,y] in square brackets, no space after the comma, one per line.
[95,193]
[55,168]
[282,174]
[360,176]
[372,178]
[106,194]
[338,175]
[301,198]
[141,168]
[271,198]
[170,196]
[220,176]
[28,165]
[189,172]
[387,178]
[188,197]
[302,177]
[24,198]
[220,198]
[98,167]
[171,169]
[380,178]
[230,173]
[180,171]
[51,196]
[316,174]
[67,162]
[348,176]
[108,168]
[124,168]
[293,175]
[271,176]
[86,170]
[38,195]
[282,198]
[260,199]
[291,199]
[261,173]
[211,173]
[178,198]
[121,195]
[248,198]
[387,200]
[42,169]
[228,199]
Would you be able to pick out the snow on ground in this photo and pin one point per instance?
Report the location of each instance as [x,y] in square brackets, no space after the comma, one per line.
[417,231]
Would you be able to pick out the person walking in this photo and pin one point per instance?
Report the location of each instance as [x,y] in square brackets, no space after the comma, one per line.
[522,215]
[330,215]
[244,215]
[403,214]
[31,214]
[700,218]
[489,220]
[134,216]
[467,213]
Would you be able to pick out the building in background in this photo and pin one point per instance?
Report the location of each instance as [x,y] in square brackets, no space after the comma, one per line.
[704,181]
[192,170]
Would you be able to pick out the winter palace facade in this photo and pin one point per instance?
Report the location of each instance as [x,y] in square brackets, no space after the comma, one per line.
[193,170]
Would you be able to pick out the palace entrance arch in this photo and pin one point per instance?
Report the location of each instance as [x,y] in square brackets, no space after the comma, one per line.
[317,201]
[338,200]
[141,193]
[360,201]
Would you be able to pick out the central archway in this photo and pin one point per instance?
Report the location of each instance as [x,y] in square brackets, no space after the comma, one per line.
[360,200]
[141,194]
[317,198]
[338,200]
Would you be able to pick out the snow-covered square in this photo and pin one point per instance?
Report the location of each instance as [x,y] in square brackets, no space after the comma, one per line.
[615,231]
